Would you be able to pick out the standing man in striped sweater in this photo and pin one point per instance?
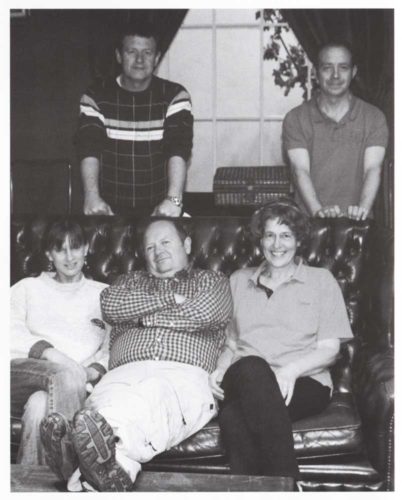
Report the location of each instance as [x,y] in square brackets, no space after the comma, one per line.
[135,134]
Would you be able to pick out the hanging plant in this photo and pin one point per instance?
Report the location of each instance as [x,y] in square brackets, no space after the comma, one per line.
[292,66]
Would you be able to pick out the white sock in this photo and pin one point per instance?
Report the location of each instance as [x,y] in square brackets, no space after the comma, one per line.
[77,484]
[74,483]
[132,467]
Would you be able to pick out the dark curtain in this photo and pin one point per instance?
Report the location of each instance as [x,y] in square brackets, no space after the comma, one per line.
[370,32]
[105,25]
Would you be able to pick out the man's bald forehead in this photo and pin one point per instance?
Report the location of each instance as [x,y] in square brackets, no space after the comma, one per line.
[160,222]
[180,231]
[329,46]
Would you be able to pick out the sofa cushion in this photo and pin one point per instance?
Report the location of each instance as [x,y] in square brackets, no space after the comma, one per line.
[335,431]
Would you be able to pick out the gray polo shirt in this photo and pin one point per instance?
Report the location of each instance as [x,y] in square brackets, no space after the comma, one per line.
[287,326]
[336,149]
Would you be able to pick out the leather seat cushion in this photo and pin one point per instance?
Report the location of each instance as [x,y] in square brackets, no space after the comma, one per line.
[335,431]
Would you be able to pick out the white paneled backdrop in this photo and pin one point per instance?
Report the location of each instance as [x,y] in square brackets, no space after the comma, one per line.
[238,110]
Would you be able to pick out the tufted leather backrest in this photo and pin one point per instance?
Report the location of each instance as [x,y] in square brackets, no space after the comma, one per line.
[347,248]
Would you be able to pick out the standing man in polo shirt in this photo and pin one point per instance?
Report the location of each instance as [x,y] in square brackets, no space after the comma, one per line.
[168,329]
[135,134]
[336,142]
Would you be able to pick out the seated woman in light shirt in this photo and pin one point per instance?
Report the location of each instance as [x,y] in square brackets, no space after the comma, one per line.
[59,344]
[288,322]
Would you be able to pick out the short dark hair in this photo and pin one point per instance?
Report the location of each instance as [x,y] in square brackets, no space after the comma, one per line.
[60,229]
[144,29]
[181,230]
[332,44]
[287,212]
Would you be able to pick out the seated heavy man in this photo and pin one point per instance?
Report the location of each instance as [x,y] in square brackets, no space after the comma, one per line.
[168,328]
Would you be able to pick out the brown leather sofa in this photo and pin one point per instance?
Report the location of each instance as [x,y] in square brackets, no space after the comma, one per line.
[347,447]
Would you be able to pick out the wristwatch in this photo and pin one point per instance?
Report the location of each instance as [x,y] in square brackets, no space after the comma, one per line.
[176,200]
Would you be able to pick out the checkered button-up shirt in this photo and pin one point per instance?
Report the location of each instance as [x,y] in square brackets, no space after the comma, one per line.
[133,135]
[147,324]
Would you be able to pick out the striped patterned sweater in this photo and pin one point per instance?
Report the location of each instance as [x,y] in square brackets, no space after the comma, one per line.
[133,134]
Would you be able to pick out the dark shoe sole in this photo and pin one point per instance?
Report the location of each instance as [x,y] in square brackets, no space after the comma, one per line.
[95,445]
[56,437]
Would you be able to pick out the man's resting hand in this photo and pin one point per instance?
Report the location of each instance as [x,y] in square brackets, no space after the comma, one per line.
[356,212]
[168,209]
[94,204]
[331,211]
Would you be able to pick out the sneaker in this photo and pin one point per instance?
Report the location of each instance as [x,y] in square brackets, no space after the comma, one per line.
[56,437]
[95,445]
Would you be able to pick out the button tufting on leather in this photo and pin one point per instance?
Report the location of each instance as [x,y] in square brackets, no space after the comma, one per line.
[225,244]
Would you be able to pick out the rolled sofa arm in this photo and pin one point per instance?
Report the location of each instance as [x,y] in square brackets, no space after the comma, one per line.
[374,391]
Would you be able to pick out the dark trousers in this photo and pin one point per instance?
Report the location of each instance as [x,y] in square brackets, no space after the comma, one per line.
[255,423]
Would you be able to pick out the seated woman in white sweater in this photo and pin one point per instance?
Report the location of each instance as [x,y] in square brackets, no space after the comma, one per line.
[59,343]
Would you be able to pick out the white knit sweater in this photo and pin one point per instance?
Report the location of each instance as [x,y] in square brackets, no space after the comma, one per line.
[61,314]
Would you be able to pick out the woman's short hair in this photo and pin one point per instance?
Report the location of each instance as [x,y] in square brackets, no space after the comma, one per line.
[57,232]
[287,212]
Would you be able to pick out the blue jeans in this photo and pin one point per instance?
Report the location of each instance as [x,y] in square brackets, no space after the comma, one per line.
[40,387]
